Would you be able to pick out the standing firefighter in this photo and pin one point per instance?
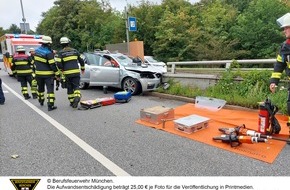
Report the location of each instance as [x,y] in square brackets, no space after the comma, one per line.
[22,68]
[68,60]
[283,60]
[45,72]
[34,82]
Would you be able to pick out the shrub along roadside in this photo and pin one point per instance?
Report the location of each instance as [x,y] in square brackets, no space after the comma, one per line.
[252,89]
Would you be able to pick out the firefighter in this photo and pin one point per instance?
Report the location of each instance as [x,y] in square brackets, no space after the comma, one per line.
[22,69]
[45,72]
[68,60]
[283,60]
[31,53]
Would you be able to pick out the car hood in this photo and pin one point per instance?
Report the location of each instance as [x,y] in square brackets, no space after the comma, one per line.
[157,64]
[141,69]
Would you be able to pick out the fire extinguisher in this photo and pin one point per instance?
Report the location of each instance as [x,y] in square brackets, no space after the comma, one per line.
[268,124]
[264,116]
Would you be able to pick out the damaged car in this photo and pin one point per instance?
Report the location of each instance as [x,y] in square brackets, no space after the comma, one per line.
[119,71]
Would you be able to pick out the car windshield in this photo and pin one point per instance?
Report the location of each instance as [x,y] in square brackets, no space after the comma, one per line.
[123,60]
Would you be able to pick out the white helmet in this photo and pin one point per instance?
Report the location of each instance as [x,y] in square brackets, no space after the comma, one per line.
[46,40]
[64,40]
[284,20]
[20,48]
[31,49]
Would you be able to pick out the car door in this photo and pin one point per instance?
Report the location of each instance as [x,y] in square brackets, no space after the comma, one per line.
[103,75]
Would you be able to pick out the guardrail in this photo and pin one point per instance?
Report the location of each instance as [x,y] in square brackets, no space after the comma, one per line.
[227,63]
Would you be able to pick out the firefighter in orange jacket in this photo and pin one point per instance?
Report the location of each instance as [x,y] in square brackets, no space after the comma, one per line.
[68,60]
[283,59]
[22,68]
[45,72]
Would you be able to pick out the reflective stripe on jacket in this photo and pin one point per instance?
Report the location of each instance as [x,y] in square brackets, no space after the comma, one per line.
[68,61]
[21,64]
[282,63]
[45,65]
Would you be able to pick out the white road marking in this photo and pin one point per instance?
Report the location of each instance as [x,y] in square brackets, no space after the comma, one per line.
[86,147]
[5,91]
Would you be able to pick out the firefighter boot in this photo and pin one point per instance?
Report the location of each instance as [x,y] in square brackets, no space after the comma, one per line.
[76,102]
[50,108]
[26,96]
[34,95]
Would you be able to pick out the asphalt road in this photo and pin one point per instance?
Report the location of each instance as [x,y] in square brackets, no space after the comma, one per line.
[107,141]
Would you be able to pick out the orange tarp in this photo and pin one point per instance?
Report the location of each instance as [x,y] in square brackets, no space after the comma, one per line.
[266,152]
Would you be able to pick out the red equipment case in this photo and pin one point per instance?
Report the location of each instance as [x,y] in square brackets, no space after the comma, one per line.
[107,101]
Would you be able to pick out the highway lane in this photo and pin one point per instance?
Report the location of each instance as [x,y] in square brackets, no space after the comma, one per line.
[106,141]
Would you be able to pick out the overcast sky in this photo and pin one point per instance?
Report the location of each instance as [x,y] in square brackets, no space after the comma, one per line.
[11,12]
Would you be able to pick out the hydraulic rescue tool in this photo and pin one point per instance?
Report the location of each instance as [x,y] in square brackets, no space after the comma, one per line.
[242,130]
[235,140]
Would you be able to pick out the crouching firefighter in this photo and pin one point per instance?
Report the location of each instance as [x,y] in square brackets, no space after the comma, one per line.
[68,60]
[22,68]
[45,72]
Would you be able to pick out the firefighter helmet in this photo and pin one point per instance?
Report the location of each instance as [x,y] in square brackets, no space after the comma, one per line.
[64,40]
[46,40]
[20,48]
[284,20]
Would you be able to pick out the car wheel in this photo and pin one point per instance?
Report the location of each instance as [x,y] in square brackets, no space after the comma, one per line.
[131,85]
[84,85]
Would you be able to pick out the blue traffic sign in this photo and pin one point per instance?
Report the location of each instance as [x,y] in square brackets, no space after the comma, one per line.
[132,23]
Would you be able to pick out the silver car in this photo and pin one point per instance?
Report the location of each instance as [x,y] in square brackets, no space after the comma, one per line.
[150,60]
[118,70]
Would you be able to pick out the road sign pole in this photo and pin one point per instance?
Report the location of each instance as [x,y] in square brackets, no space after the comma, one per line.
[127,31]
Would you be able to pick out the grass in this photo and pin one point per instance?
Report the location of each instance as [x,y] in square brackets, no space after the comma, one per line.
[254,88]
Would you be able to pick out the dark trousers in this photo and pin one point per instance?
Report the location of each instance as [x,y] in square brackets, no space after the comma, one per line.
[47,82]
[2,97]
[23,81]
[73,88]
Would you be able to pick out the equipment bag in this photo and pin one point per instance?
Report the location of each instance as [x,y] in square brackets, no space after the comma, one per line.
[106,101]
[123,96]
[89,104]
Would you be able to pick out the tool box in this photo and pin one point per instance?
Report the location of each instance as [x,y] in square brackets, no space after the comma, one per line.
[90,104]
[107,101]
[156,114]
[123,96]
[190,124]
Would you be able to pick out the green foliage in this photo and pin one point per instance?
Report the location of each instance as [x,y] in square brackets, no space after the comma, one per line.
[237,88]
[174,30]
[256,28]
[172,35]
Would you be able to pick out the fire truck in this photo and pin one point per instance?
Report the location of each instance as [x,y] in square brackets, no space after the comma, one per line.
[9,42]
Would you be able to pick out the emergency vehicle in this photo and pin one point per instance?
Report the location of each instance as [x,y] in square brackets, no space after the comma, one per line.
[9,42]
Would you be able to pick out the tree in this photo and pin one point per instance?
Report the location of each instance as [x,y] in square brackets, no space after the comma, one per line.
[148,16]
[256,28]
[13,29]
[176,35]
